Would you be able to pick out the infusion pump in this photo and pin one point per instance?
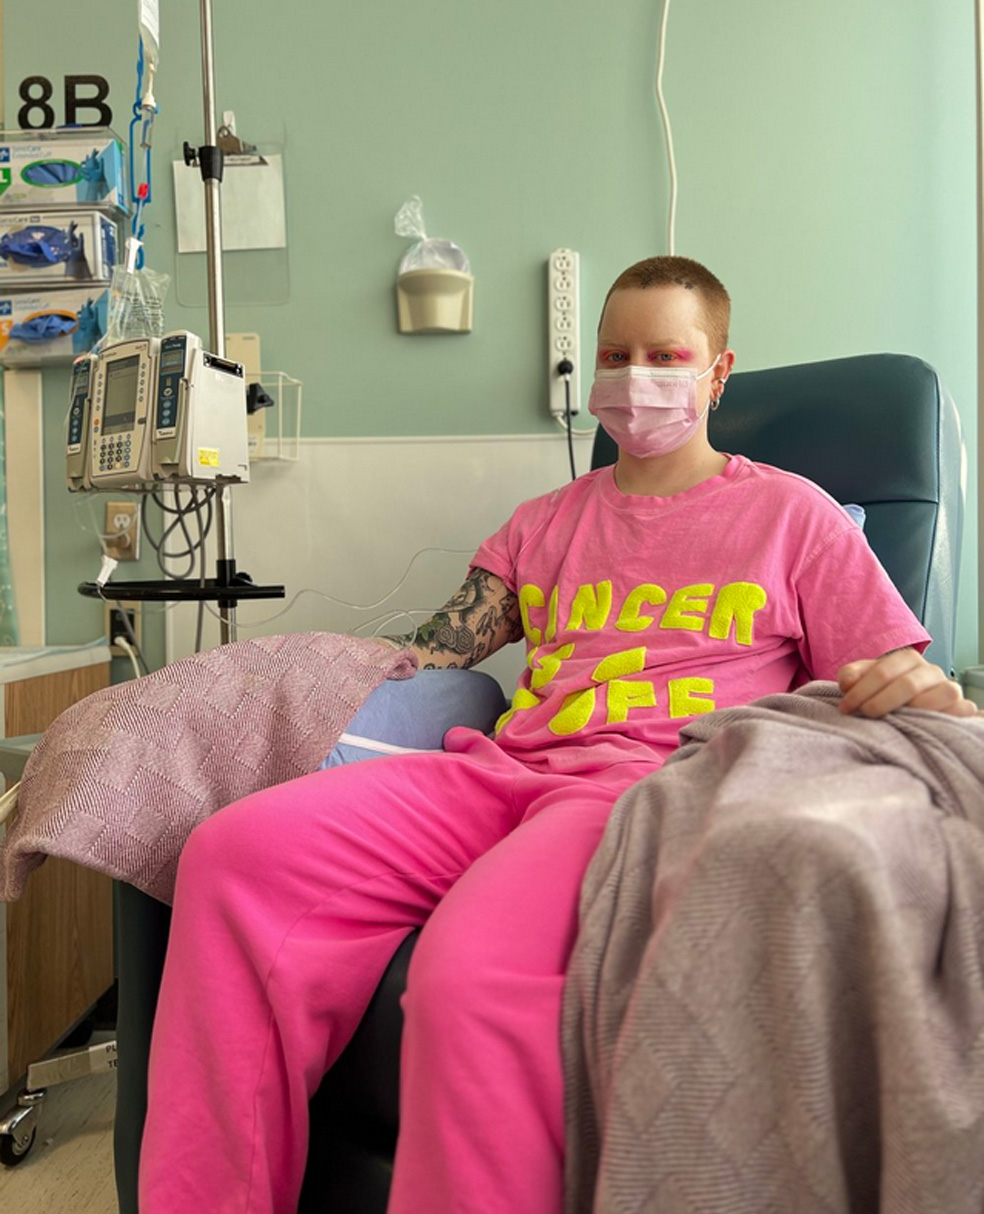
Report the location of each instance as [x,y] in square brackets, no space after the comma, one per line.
[156,411]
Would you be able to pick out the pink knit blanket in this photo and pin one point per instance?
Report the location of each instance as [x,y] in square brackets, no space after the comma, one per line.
[120,779]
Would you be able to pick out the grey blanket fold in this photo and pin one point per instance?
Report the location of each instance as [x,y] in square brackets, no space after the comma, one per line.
[776,1000]
[119,780]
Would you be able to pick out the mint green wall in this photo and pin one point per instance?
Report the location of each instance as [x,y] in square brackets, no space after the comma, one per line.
[826,171]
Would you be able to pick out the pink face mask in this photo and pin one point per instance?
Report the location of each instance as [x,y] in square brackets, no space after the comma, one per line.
[648,411]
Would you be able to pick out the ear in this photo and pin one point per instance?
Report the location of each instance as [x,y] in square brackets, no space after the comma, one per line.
[724,365]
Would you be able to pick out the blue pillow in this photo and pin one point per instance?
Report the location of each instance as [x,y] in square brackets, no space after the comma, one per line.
[857,513]
[414,714]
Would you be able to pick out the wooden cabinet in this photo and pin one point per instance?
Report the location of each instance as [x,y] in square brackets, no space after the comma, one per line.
[59,934]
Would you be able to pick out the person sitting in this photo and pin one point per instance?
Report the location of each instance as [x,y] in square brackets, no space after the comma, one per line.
[680,580]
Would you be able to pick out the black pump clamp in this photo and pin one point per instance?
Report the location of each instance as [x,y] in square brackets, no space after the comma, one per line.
[210,160]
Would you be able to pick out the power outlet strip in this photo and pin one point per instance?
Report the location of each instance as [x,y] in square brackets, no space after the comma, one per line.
[564,329]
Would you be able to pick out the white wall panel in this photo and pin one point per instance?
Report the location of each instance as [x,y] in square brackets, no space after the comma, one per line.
[347,518]
[25,499]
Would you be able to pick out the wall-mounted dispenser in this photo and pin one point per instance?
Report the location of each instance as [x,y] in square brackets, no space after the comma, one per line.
[435,301]
[434,286]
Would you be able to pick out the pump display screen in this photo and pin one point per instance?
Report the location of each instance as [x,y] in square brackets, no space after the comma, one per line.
[120,405]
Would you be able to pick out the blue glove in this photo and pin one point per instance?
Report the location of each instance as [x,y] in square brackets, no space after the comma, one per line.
[40,246]
[47,327]
[52,172]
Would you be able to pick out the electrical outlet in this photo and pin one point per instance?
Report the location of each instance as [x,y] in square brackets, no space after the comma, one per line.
[563,325]
[115,627]
[121,530]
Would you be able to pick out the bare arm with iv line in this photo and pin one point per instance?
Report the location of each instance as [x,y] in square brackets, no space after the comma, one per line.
[473,624]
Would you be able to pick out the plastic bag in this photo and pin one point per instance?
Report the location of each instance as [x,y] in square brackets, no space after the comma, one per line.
[136,305]
[426,254]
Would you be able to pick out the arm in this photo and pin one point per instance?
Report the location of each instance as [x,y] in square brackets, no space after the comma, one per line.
[846,596]
[900,679]
[481,618]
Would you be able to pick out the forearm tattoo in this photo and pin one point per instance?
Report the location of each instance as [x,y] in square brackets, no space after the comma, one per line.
[481,618]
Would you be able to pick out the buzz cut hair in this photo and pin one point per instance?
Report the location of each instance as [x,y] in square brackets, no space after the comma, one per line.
[691,275]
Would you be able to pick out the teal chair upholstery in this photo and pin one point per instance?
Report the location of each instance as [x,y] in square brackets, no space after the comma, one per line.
[878,430]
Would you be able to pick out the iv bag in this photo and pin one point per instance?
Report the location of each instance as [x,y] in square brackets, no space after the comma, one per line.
[149,21]
[136,305]
[150,34]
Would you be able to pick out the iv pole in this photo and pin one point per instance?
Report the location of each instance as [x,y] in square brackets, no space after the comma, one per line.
[228,586]
[212,181]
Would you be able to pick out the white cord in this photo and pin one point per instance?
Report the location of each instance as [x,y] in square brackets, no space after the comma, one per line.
[283,611]
[667,129]
[106,566]
[343,602]
[562,422]
[101,536]
[8,802]
[382,622]
[124,644]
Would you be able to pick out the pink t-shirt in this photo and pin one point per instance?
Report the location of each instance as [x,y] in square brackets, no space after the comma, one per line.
[641,612]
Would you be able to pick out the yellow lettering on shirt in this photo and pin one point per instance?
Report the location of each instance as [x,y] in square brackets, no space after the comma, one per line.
[621,695]
[629,661]
[736,603]
[687,599]
[523,699]
[530,596]
[591,607]
[574,714]
[684,693]
[552,614]
[734,608]
[624,695]
[545,668]
[629,619]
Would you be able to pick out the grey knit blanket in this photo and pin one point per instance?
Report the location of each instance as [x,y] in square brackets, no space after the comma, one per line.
[120,779]
[776,1000]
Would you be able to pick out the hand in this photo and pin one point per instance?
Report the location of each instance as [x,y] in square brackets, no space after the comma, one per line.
[901,679]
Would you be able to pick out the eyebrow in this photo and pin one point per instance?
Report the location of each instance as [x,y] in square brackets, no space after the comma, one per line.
[672,344]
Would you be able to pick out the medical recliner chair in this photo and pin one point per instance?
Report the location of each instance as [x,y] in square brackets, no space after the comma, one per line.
[877,430]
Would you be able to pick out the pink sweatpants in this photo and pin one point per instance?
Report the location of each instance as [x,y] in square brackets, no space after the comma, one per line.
[289,906]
